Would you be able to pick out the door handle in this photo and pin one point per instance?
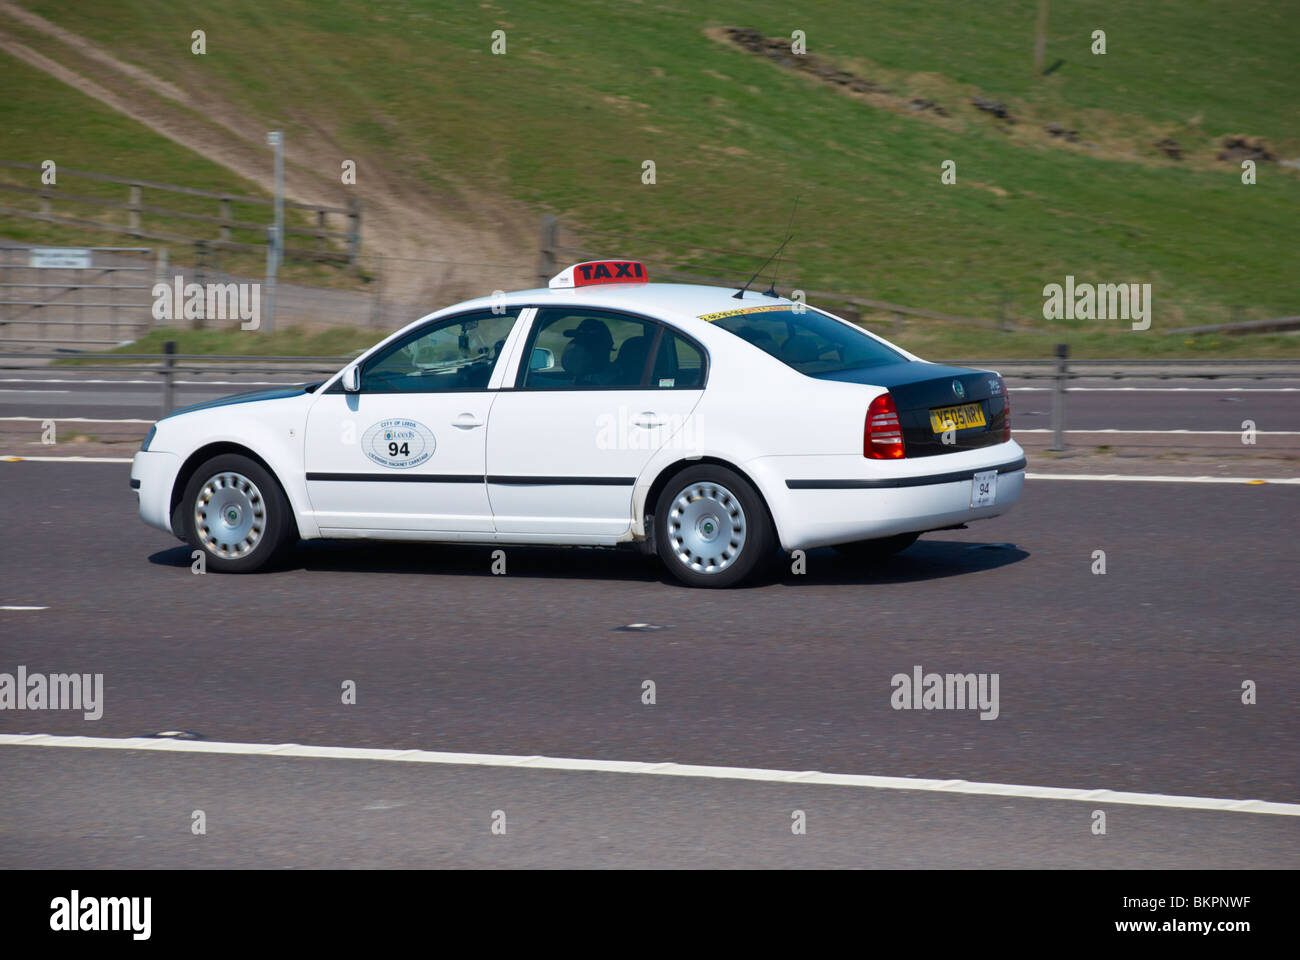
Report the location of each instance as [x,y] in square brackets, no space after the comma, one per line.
[467,421]
[647,418]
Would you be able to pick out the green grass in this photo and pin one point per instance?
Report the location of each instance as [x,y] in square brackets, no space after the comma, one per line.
[45,120]
[589,90]
[935,341]
[289,342]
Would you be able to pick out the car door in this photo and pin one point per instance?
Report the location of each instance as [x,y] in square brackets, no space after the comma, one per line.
[597,393]
[407,454]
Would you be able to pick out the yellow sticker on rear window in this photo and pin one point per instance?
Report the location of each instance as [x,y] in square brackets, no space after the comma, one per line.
[733,313]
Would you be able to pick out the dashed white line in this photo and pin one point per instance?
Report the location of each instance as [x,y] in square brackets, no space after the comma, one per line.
[1089,795]
[24,608]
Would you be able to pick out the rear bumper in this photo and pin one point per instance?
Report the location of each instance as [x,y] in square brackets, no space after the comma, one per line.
[153,473]
[821,501]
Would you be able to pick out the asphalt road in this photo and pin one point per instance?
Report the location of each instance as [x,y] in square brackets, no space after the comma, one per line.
[1127,681]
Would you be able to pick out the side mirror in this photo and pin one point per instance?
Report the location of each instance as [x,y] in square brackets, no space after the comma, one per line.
[352,379]
[542,359]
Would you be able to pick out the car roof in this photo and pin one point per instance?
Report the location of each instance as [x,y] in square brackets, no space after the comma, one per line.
[682,303]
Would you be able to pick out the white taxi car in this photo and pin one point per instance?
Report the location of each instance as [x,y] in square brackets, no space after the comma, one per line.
[706,424]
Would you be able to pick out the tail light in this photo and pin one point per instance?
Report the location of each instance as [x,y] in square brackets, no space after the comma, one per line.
[882,435]
[1006,413]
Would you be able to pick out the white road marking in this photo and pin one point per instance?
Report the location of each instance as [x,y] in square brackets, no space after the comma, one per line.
[1161,389]
[156,382]
[657,769]
[1156,479]
[31,391]
[14,459]
[1193,433]
[102,419]
[24,608]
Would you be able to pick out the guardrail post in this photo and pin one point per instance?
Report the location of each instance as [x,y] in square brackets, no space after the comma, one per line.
[546,249]
[168,375]
[1058,397]
[354,232]
[133,210]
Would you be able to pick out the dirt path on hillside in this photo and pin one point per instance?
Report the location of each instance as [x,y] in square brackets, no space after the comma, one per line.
[484,241]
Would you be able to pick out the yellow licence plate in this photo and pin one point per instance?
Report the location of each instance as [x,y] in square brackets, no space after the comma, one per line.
[962,417]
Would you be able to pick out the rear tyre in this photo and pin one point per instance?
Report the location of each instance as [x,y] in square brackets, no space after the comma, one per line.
[867,551]
[711,527]
[234,511]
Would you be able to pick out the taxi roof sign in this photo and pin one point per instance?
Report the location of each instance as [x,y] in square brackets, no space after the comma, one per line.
[593,272]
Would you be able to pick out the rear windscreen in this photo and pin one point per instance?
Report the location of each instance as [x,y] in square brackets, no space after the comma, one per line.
[810,342]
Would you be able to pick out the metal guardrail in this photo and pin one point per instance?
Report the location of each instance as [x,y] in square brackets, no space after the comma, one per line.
[1060,370]
[168,364]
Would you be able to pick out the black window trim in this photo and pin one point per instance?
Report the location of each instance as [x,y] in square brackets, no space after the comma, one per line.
[534,329]
[419,331]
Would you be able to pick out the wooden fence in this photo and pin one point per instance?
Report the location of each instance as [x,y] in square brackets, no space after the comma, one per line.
[137,212]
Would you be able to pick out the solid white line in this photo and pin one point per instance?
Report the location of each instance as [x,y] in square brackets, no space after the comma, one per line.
[1195,433]
[1155,479]
[1161,389]
[16,459]
[24,608]
[156,382]
[657,769]
[107,420]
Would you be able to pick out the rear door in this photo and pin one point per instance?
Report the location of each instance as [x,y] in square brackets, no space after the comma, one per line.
[598,392]
[407,453]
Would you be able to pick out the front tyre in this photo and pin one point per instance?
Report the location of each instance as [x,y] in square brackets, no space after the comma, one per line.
[711,527]
[235,512]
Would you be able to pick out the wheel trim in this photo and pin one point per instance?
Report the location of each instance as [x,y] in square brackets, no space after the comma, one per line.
[707,529]
[229,515]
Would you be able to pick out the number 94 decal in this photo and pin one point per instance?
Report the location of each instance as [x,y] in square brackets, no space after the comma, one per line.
[398,444]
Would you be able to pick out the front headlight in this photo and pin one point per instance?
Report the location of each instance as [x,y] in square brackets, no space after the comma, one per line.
[148,438]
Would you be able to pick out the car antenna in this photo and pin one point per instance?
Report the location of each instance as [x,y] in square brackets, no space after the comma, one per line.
[740,294]
[771,291]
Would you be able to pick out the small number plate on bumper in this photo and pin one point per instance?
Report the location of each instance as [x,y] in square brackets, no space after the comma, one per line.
[983,488]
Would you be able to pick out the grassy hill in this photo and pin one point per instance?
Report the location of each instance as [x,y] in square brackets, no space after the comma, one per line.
[588,91]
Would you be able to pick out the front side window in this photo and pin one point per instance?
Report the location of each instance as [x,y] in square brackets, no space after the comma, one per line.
[810,342]
[458,353]
[575,349]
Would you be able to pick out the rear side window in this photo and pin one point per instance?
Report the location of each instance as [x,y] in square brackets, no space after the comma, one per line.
[573,349]
[810,342]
